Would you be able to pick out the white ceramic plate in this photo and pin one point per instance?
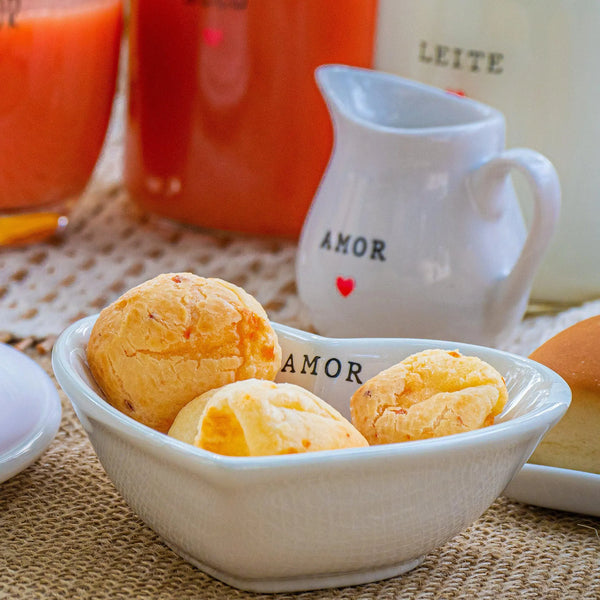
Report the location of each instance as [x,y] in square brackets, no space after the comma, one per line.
[561,489]
[30,411]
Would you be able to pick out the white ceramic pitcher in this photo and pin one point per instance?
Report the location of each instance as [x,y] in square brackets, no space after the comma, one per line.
[415,230]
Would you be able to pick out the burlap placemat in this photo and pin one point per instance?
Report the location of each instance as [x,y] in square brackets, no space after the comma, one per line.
[66,533]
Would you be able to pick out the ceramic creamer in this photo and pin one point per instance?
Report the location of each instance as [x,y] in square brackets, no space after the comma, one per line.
[415,230]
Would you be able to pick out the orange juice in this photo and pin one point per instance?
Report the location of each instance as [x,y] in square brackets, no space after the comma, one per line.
[57,80]
[226,127]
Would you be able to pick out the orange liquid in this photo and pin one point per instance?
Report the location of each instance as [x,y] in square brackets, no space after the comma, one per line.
[57,81]
[226,126]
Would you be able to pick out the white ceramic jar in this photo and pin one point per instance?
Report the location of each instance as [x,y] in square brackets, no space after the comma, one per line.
[537,62]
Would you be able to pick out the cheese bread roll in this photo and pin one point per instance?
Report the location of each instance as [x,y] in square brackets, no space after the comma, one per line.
[260,418]
[174,337]
[429,394]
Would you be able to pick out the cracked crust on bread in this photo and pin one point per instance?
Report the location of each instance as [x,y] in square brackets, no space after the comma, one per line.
[174,337]
[429,394]
[261,418]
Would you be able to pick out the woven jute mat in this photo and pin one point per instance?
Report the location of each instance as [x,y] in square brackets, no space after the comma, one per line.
[66,533]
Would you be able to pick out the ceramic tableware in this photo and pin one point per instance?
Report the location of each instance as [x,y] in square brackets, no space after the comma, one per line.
[560,489]
[319,519]
[30,411]
[535,61]
[415,230]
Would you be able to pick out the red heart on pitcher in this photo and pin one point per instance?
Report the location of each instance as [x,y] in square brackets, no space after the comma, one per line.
[211,36]
[345,286]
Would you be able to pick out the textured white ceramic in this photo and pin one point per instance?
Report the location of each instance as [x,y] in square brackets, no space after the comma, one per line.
[30,411]
[536,61]
[321,519]
[415,230]
[561,489]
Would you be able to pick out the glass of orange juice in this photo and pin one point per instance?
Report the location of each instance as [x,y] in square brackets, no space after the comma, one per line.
[226,128]
[58,68]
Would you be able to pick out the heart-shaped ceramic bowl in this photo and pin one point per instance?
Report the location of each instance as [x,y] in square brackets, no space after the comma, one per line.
[321,519]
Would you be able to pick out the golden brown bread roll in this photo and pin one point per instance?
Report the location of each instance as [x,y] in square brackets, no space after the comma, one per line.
[261,418]
[574,443]
[429,394]
[168,340]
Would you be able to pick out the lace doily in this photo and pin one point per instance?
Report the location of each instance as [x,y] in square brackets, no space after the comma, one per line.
[111,247]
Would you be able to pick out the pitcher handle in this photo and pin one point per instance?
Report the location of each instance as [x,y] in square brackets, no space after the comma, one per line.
[545,186]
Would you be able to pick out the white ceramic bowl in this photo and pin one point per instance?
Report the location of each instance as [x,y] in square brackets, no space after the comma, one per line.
[322,519]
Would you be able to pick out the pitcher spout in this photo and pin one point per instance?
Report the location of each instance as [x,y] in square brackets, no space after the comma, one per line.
[385,102]
[335,83]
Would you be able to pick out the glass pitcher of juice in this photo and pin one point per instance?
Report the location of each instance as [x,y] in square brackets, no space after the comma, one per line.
[58,70]
[226,127]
